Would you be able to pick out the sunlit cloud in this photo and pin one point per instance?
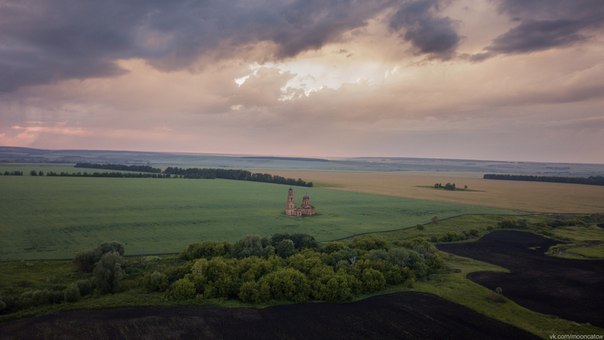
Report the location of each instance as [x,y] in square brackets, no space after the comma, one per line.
[456,79]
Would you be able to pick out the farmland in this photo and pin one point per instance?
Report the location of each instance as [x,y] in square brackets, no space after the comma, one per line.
[528,196]
[54,217]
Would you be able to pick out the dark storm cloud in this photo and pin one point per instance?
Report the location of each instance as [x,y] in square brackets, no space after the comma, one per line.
[546,24]
[44,41]
[427,32]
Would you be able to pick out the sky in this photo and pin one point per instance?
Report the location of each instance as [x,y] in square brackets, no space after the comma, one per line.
[471,79]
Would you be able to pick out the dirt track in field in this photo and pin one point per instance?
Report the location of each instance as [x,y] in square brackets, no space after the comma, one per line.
[571,289]
[394,316]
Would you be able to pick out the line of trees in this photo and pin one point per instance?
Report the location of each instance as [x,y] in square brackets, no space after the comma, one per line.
[106,174]
[591,180]
[192,173]
[120,167]
[234,174]
[12,173]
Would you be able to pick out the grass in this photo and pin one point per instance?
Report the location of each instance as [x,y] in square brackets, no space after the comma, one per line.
[451,285]
[56,217]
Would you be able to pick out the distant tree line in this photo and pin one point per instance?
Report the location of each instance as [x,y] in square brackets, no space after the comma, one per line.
[120,167]
[105,174]
[192,173]
[234,174]
[591,180]
[12,173]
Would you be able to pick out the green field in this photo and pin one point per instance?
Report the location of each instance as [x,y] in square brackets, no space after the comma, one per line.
[56,217]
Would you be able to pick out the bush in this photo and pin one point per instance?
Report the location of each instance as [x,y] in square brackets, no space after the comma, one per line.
[72,293]
[2,306]
[85,287]
[182,289]
[108,273]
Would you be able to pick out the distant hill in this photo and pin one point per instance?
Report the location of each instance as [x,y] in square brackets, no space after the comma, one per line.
[164,159]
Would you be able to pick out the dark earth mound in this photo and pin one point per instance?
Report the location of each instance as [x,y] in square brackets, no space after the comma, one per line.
[571,289]
[401,315]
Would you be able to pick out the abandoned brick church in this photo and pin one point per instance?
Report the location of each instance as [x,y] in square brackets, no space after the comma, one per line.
[304,210]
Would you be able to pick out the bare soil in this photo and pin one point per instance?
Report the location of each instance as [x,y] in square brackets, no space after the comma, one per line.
[571,289]
[394,316]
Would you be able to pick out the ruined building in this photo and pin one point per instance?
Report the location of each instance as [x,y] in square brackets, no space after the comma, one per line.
[305,209]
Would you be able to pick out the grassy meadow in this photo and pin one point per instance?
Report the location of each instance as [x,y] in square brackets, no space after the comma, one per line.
[56,217]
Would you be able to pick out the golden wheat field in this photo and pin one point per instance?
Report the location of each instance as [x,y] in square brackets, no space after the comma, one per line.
[526,196]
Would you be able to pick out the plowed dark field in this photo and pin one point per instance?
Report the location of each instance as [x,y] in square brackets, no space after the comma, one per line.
[571,289]
[394,316]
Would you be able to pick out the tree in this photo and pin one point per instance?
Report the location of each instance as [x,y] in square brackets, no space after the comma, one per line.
[285,248]
[286,284]
[109,273]
[86,260]
[182,289]
[372,280]
[250,245]
[248,292]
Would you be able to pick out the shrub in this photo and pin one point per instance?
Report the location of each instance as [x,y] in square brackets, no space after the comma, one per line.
[72,293]
[419,227]
[156,282]
[2,306]
[85,287]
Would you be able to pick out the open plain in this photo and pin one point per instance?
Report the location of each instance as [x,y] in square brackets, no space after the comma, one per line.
[526,196]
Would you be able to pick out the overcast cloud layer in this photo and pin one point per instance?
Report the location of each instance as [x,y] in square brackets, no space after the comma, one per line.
[511,80]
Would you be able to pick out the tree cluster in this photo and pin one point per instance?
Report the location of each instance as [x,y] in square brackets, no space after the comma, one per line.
[448,186]
[591,180]
[295,268]
[234,174]
[120,167]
